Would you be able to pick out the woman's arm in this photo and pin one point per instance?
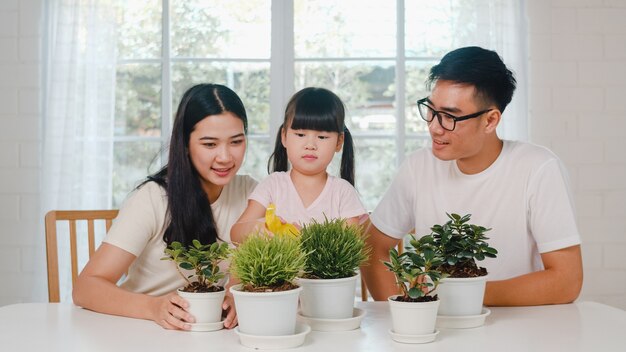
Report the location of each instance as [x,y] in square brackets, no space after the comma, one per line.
[96,290]
[252,219]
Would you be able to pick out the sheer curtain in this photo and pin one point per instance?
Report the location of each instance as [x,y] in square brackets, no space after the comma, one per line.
[500,25]
[79,71]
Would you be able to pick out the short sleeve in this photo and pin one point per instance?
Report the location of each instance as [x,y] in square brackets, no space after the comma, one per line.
[351,205]
[552,216]
[395,214]
[262,193]
[139,219]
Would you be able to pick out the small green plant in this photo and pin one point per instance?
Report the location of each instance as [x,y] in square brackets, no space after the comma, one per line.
[203,260]
[416,270]
[462,244]
[268,263]
[335,249]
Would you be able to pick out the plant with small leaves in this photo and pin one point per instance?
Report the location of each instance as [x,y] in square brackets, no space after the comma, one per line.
[268,263]
[416,270]
[335,249]
[462,244]
[204,260]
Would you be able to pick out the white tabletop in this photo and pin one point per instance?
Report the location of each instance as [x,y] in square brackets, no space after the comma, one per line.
[582,326]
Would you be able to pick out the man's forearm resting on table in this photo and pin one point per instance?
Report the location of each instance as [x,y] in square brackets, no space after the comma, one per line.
[560,282]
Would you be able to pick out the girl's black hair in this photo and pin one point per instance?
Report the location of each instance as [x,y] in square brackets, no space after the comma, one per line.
[187,203]
[315,109]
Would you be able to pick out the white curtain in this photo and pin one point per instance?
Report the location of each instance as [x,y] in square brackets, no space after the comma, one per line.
[79,71]
[501,26]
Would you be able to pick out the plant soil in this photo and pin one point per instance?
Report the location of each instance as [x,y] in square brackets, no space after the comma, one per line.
[284,287]
[199,288]
[463,269]
[418,299]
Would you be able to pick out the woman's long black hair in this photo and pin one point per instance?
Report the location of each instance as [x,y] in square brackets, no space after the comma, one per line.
[187,203]
[315,109]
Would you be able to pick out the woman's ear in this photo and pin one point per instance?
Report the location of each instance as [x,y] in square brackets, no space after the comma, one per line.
[340,142]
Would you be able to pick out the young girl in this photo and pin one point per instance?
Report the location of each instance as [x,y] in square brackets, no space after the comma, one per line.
[196,196]
[312,132]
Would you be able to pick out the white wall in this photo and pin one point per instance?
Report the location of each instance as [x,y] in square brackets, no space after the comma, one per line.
[22,276]
[577,108]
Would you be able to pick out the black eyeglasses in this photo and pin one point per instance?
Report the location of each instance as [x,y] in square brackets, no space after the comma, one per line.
[447,121]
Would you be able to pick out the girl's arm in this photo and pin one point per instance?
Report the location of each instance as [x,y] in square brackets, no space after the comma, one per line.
[96,290]
[251,220]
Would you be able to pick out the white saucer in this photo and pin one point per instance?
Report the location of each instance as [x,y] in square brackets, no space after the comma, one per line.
[275,342]
[402,338]
[346,324]
[207,326]
[462,321]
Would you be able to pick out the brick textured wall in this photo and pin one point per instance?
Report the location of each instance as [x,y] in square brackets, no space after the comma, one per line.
[22,256]
[578,109]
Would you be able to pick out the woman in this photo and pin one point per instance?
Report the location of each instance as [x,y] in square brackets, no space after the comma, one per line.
[196,196]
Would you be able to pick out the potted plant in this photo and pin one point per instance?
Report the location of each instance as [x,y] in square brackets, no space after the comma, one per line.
[414,312]
[461,244]
[335,251]
[203,293]
[267,299]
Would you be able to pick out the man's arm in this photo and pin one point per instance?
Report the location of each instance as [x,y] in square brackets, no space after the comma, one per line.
[380,282]
[559,282]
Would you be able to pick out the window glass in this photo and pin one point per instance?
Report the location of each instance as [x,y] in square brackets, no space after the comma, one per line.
[221,29]
[139,29]
[366,88]
[138,100]
[350,28]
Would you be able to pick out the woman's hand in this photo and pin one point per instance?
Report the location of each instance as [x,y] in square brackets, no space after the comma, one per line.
[170,311]
[229,309]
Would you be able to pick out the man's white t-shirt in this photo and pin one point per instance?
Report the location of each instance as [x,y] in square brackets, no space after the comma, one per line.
[523,196]
[338,200]
[142,220]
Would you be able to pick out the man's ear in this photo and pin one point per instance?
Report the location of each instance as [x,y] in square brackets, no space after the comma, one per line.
[492,119]
[340,142]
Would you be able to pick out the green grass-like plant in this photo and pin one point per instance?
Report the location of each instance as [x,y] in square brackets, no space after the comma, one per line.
[267,263]
[416,270]
[203,260]
[334,249]
[461,244]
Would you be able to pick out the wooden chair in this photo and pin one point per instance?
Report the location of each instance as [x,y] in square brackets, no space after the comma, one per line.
[72,216]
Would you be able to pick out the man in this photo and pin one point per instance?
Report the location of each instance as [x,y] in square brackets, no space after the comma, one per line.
[518,189]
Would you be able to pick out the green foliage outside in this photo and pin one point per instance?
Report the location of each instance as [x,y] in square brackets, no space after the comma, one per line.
[335,249]
[202,259]
[267,262]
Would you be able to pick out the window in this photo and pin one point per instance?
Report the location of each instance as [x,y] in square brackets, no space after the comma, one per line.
[374,54]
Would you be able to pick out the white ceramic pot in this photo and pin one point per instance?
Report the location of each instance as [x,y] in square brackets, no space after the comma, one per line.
[327,298]
[461,296]
[206,307]
[413,318]
[266,313]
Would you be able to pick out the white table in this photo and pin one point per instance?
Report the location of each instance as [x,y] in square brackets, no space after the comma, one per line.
[582,326]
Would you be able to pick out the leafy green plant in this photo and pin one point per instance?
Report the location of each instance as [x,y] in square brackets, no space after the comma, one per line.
[203,260]
[416,270]
[334,249]
[462,244]
[268,263]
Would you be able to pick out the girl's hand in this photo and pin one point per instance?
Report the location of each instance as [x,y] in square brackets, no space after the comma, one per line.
[229,309]
[170,311]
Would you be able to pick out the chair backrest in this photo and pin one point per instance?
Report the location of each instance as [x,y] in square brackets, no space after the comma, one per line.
[72,216]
